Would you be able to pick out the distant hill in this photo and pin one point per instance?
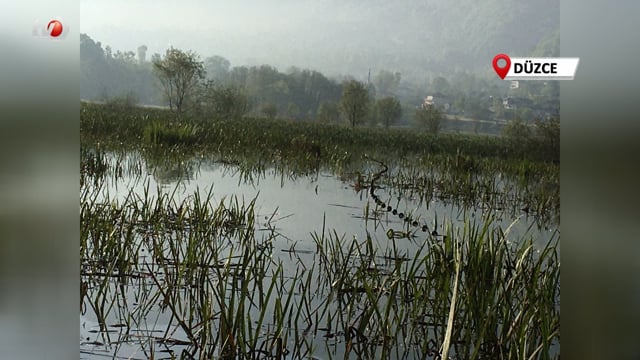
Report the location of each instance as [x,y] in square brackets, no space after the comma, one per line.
[415,37]
[421,36]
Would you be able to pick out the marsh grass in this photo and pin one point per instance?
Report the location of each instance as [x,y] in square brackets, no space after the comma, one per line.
[215,289]
[171,134]
[274,139]
[422,180]
[197,278]
[489,172]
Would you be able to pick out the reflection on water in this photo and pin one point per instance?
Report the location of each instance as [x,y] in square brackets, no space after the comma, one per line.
[297,205]
[298,210]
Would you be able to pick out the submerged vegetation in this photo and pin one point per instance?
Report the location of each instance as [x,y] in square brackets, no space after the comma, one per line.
[205,274]
[271,137]
[173,275]
[497,172]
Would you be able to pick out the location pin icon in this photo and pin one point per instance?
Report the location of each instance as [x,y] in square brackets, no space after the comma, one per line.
[501,71]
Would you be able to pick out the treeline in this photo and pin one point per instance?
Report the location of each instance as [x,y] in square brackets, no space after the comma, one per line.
[296,94]
[106,75]
[307,94]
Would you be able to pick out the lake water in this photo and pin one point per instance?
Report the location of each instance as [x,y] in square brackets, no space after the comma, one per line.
[297,207]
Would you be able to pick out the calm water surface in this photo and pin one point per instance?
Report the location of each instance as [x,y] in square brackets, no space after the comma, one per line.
[297,208]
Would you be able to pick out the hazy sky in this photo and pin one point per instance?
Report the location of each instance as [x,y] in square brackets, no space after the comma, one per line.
[208,27]
[333,36]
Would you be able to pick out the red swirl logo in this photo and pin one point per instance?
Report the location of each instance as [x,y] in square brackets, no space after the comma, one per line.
[54,28]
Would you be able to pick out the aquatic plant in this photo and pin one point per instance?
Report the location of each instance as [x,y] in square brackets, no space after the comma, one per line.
[196,278]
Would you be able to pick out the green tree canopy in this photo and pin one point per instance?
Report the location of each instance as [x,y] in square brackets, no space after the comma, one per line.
[517,130]
[387,82]
[221,101]
[268,109]
[389,110]
[548,131]
[179,73]
[354,102]
[216,67]
[293,111]
[440,85]
[328,112]
[429,118]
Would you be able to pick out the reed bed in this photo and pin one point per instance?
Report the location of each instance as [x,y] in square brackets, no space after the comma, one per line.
[199,279]
[421,180]
[490,172]
[277,138]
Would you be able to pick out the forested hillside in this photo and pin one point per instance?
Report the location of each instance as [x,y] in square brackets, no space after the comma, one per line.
[420,48]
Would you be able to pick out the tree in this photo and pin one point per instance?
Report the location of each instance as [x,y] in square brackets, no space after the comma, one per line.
[389,110]
[354,102]
[90,50]
[429,118]
[387,82]
[477,108]
[517,130]
[115,75]
[216,67]
[548,131]
[221,101]
[142,54]
[128,57]
[293,111]
[328,112]
[179,73]
[440,85]
[525,113]
[498,107]
[269,109]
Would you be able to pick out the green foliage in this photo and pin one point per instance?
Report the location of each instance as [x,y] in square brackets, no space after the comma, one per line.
[125,101]
[498,107]
[104,75]
[440,85]
[220,101]
[517,131]
[329,113]
[218,273]
[354,102]
[451,166]
[387,82]
[170,134]
[429,119]
[293,111]
[525,114]
[263,137]
[179,73]
[476,108]
[269,110]
[305,146]
[389,110]
[295,93]
[216,68]
[548,132]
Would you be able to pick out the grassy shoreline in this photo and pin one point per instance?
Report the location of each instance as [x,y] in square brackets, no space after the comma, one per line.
[145,126]
[470,169]
[195,277]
